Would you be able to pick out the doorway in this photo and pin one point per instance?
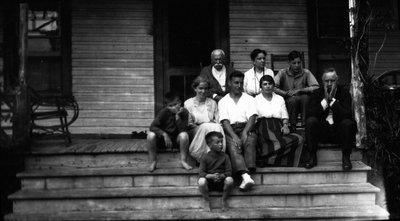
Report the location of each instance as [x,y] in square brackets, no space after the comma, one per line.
[330,38]
[190,30]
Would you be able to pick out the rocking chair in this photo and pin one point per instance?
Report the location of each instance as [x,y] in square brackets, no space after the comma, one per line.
[45,108]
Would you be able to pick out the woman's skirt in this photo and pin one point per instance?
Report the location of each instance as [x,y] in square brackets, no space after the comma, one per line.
[274,148]
[198,146]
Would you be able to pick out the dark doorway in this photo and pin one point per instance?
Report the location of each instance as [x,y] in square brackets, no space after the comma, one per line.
[330,38]
[190,40]
[190,31]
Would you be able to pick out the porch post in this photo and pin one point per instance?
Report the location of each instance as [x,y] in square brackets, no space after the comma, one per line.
[356,35]
[21,124]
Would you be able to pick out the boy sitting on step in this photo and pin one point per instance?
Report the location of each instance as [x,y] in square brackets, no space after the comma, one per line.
[215,172]
[169,129]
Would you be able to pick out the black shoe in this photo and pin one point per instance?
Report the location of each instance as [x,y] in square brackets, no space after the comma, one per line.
[346,162]
[312,161]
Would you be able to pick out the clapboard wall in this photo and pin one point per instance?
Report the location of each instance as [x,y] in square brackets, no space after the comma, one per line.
[112,65]
[389,56]
[277,26]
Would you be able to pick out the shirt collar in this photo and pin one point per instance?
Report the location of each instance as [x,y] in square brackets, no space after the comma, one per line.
[214,153]
[290,73]
[218,72]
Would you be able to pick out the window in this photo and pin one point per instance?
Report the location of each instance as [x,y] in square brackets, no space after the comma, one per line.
[44,62]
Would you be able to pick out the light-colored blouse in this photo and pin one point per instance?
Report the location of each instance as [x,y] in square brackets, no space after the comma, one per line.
[251,82]
[201,112]
[275,108]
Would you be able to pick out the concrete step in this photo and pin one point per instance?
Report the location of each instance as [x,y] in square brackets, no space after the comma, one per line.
[311,213]
[328,173]
[165,198]
[129,159]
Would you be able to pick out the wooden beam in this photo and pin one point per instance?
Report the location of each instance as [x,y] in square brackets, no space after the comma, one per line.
[159,19]
[23,41]
[312,36]
[21,124]
[66,51]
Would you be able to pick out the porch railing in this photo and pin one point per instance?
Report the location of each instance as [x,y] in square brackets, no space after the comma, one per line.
[6,117]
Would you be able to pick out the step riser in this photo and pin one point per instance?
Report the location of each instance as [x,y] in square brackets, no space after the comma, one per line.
[335,155]
[187,180]
[193,202]
[139,160]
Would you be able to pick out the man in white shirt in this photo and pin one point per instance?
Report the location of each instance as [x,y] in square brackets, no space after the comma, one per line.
[237,112]
[217,74]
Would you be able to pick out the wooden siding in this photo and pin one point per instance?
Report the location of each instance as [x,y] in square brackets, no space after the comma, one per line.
[275,26]
[389,57]
[112,66]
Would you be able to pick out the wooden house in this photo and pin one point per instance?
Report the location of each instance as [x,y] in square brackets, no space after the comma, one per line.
[118,58]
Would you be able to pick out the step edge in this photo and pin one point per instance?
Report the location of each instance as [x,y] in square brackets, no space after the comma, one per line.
[191,191]
[274,212]
[358,166]
[35,153]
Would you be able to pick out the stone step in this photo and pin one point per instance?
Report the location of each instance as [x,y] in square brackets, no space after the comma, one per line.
[138,159]
[165,198]
[328,173]
[312,213]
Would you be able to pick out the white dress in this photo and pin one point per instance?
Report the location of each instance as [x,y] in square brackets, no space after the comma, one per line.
[251,82]
[203,117]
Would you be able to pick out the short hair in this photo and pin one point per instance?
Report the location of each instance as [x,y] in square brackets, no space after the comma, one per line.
[170,97]
[236,74]
[212,134]
[327,70]
[255,52]
[268,78]
[200,79]
[293,55]
[218,51]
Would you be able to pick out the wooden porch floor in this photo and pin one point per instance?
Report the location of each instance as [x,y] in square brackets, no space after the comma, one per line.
[88,146]
[95,145]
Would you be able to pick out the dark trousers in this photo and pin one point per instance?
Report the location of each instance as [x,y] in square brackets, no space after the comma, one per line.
[239,162]
[295,105]
[342,133]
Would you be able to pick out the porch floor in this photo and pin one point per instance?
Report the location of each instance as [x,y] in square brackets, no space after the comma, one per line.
[46,146]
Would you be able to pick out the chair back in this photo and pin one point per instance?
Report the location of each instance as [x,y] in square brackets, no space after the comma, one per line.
[282,58]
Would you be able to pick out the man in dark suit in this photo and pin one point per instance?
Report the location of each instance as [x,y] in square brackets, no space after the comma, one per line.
[217,74]
[330,117]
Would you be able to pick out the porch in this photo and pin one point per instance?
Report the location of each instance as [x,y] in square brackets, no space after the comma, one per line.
[107,179]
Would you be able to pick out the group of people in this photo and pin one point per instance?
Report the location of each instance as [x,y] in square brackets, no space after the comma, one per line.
[238,121]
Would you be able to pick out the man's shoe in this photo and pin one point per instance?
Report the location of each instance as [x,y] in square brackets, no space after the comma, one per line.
[346,162]
[312,161]
[247,182]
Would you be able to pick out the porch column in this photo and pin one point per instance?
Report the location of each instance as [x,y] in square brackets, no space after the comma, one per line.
[358,35]
[21,123]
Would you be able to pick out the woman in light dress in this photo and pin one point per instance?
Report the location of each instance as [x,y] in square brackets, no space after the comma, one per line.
[276,145]
[203,118]
[253,75]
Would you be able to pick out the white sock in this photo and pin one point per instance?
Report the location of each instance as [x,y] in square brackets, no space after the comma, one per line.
[245,176]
